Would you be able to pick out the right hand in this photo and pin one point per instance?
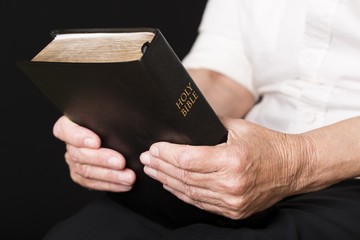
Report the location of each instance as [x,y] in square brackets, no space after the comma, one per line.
[90,165]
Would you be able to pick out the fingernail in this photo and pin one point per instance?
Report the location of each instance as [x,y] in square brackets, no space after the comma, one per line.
[125,179]
[150,171]
[154,151]
[90,142]
[145,159]
[114,162]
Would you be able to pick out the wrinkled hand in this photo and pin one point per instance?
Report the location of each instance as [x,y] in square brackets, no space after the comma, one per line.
[90,165]
[252,171]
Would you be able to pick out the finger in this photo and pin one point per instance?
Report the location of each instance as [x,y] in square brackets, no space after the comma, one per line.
[202,159]
[99,185]
[187,177]
[193,192]
[124,177]
[204,205]
[74,134]
[102,157]
[200,197]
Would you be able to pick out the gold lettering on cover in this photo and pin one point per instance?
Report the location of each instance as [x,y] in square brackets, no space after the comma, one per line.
[186,100]
[179,103]
[184,112]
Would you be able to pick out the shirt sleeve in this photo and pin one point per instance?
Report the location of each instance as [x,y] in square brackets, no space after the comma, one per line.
[219,45]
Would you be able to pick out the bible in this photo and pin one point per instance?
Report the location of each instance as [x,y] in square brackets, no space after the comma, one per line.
[128,86]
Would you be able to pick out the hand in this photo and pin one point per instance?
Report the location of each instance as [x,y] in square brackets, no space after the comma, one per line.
[90,165]
[252,171]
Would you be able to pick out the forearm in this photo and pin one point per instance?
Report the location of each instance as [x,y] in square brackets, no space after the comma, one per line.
[333,155]
[227,98]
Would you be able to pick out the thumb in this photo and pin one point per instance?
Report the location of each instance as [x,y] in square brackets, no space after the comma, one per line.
[74,134]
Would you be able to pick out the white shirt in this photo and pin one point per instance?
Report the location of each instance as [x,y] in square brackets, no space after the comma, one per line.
[301,56]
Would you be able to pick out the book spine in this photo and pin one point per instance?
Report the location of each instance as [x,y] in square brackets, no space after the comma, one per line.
[193,112]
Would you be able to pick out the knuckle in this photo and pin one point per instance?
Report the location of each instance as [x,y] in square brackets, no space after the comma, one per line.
[67,158]
[83,170]
[234,186]
[199,205]
[77,137]
[163,178]
[238,157]
[234,203]
[111,176]
[183,176]
[74,153]
[190,192]
[235,215]
[184,158]
[156,165]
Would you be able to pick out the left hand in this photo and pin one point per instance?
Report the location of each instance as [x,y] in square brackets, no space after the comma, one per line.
[253,170]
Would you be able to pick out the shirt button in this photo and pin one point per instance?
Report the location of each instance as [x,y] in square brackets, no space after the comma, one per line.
[310,58]
[309,116]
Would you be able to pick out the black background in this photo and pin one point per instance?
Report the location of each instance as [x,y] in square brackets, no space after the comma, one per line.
[36,190]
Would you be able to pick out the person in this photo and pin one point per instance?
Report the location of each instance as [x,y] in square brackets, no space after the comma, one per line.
[284,78]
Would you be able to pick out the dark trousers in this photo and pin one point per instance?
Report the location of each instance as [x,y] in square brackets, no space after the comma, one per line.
[332,213]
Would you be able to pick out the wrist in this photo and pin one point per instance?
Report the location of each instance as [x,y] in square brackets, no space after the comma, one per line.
[297,152]
[306,158]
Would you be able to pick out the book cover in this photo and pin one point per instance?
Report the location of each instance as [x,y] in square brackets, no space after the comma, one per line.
[131,105]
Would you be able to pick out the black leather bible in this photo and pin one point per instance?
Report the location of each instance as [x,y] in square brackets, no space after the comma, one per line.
[131,98]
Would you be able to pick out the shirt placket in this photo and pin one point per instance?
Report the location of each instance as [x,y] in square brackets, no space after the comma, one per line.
[312,102]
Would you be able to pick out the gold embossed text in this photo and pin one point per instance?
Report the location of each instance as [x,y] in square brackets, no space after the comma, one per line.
[186,100]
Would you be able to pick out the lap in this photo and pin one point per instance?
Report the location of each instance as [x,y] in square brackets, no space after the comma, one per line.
[332,213]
